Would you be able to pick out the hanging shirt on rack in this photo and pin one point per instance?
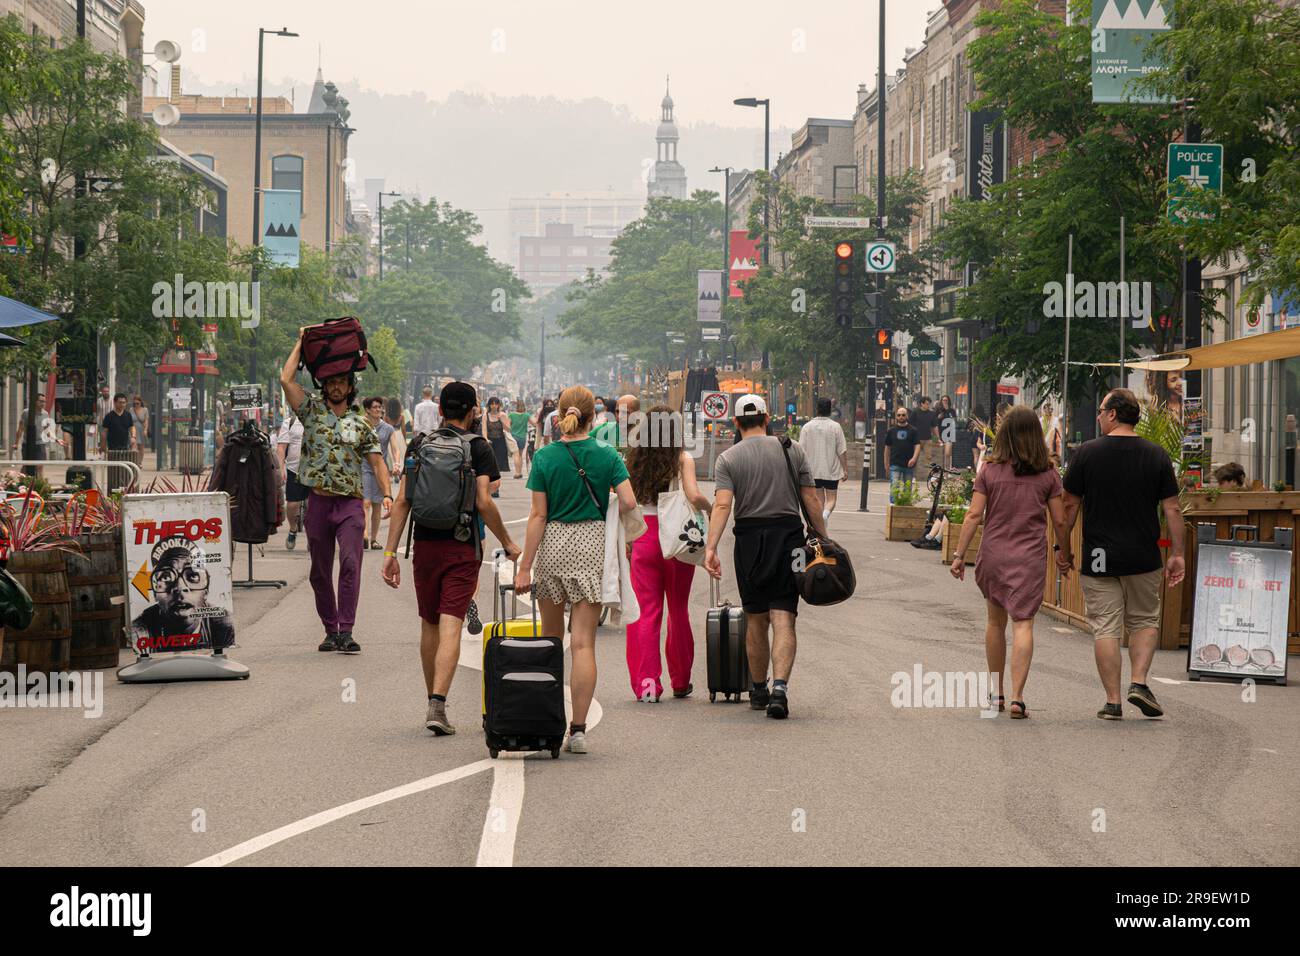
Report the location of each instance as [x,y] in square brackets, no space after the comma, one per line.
[248,472]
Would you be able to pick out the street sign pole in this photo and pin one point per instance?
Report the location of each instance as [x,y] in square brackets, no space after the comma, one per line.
[880,228]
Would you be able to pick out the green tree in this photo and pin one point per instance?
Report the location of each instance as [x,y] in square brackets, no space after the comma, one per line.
[61,117]
[389,378]
[1106,161]
[652,285]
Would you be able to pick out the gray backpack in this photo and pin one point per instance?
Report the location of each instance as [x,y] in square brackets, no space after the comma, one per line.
[440,483]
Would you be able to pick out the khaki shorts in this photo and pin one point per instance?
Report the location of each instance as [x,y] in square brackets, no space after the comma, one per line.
[1130,602]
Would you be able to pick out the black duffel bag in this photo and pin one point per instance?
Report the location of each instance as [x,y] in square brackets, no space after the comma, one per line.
[827,576]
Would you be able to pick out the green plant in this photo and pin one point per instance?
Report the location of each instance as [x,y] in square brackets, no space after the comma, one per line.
[904,493]
[1279,486]
[957,514]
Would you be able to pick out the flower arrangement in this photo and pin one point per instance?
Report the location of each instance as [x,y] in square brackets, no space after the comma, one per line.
[90,511]
[17,483]
[24,526]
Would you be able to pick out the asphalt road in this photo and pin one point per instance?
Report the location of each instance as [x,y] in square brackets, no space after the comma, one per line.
[283,769]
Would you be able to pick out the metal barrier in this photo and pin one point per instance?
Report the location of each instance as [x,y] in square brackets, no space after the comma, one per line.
[133,470]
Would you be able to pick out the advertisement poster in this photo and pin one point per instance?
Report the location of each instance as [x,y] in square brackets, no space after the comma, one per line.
[1240,616]
[708,306]
[178,571]
[1121,30]
[745,257]
[986,157]
[282,210]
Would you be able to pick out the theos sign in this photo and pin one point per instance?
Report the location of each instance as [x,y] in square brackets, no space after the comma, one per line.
[178,571]
[985,154]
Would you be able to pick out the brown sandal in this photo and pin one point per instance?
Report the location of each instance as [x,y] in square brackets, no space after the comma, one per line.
[1021,714]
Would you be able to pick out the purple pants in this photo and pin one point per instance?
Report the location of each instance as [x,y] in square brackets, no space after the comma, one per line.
[331,518]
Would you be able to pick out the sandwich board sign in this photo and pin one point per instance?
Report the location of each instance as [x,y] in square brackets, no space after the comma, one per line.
[1242,598]
[179,588]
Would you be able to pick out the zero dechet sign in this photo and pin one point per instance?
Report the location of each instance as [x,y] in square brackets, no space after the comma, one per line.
[880,257]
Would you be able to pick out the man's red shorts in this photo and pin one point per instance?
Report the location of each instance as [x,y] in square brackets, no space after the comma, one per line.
[446,575]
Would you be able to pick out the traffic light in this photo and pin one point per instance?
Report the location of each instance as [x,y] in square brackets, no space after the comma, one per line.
[845,283]
[875,310]
[884,341]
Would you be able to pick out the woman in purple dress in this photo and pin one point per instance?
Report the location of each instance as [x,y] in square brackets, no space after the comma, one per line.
[1014,492]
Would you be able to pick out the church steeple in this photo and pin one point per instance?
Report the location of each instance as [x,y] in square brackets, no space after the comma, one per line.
[669,175]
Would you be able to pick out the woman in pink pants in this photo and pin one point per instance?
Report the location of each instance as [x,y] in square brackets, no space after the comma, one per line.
[654,470]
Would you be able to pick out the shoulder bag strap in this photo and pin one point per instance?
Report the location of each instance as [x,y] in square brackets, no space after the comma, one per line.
[794,483]
[582,472]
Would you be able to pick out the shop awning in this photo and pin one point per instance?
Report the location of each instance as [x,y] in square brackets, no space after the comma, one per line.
[1249,350]
[14,314]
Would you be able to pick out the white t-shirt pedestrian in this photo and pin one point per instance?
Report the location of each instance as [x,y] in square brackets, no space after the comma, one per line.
[822,441]
[291,434]
[426,416]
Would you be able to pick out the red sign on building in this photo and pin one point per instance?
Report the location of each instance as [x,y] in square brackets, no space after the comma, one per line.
[744,255]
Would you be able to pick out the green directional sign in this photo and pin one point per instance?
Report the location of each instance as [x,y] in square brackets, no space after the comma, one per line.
[1193,166]
[924,353]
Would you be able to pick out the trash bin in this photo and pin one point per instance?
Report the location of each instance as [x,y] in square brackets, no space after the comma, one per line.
[191,454]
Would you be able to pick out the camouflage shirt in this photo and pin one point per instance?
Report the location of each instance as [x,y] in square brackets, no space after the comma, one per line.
[333,447]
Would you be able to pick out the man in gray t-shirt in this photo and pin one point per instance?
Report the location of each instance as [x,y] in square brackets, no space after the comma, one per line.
[752,476]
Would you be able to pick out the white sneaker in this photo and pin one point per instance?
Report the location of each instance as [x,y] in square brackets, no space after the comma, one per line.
[577,743]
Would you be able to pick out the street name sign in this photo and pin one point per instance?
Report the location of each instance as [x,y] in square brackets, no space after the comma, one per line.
[881,256]
[836,222]
[1193,165]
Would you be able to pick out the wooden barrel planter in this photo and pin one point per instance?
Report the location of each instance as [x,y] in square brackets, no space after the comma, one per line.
[47,645]
[94,580]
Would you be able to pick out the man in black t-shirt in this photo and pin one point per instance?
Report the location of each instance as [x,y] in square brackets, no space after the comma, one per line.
[923,420]
[902,445]
[1121,480]
[118,428]
[445,567]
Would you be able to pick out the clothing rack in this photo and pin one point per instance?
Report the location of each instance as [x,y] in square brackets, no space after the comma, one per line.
[247,428]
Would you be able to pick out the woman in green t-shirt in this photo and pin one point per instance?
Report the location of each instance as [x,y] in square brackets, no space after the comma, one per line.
[519,429]
[566,539]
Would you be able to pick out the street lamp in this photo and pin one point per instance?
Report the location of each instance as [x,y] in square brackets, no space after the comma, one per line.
[767,168]
[257,176]
[381,232]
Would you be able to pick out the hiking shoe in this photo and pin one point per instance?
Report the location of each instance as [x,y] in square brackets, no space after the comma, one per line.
[330,643]
[436,719]
[1140,696]
[472,619]
[680,692]
[346,645]
[1111,712]
[577,743]
[291,540]
[778,707]
[758,699]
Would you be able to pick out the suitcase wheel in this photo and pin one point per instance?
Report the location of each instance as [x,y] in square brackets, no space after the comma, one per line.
[555,752]
[493,752]
[712,696]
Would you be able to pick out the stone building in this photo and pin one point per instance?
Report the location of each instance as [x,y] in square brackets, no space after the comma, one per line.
[668,177]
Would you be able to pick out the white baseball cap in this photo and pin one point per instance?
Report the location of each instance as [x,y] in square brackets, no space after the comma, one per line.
[750,405]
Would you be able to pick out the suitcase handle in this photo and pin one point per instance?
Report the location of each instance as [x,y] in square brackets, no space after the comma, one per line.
[499,590]
[715,592]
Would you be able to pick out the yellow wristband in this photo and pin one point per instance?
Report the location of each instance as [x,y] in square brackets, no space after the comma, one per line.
[390,554]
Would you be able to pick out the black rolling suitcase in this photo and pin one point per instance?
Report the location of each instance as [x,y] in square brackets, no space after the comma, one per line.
[728,661]
[523,681]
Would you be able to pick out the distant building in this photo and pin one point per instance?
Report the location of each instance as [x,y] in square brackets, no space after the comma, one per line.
[820,162]
[306,152]
[560,256]
[669,176]
[600,213]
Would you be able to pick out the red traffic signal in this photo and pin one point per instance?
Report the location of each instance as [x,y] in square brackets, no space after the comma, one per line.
[844,250]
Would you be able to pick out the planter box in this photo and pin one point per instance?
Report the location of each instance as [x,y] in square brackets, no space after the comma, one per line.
[905,522]
[950,535]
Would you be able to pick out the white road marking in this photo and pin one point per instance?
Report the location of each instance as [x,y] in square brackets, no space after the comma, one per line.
[497,844]
[249,847]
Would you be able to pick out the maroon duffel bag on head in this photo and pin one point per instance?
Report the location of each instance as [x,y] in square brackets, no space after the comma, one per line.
[335,347]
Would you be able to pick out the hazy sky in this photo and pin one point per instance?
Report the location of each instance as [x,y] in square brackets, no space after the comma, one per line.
[808,58]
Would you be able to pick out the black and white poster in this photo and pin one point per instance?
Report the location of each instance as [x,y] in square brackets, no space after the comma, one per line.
[985,153]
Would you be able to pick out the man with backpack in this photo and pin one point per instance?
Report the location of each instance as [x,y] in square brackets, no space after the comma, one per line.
[336,439]
[445,489]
